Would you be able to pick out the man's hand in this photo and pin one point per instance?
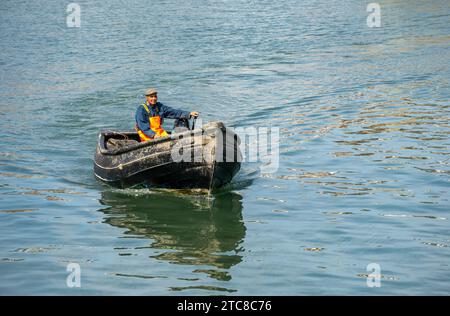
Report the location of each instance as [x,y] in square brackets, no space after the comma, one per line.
[193,114]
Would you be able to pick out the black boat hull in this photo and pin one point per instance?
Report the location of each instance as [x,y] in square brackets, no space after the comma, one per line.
[206,165]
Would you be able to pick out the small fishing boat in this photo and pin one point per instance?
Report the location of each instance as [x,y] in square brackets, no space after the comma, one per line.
[206,158]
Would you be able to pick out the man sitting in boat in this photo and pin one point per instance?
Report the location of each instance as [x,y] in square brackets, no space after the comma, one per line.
[150,116]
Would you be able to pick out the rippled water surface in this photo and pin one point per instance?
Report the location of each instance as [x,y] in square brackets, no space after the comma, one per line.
[364,153]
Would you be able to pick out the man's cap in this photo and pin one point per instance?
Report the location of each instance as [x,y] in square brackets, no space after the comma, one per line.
[150,91]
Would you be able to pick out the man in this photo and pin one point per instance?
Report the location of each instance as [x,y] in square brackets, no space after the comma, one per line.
[150,116]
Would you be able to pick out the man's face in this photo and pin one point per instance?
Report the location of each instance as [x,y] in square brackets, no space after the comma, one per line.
[152,98]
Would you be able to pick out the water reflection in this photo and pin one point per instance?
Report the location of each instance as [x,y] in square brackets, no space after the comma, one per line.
[192,229]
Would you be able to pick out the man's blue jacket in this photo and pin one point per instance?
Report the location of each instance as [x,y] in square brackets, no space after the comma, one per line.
[164,111]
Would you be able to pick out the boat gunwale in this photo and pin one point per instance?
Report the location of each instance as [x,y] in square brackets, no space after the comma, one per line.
[121,165]
[113,152]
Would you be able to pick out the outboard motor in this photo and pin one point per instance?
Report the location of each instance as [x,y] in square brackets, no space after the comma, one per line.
[181,125]
[181,122]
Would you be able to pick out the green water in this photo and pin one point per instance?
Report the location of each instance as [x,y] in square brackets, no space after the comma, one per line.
[364,147]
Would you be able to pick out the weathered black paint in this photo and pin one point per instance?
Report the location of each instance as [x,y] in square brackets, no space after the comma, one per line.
[151,162]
